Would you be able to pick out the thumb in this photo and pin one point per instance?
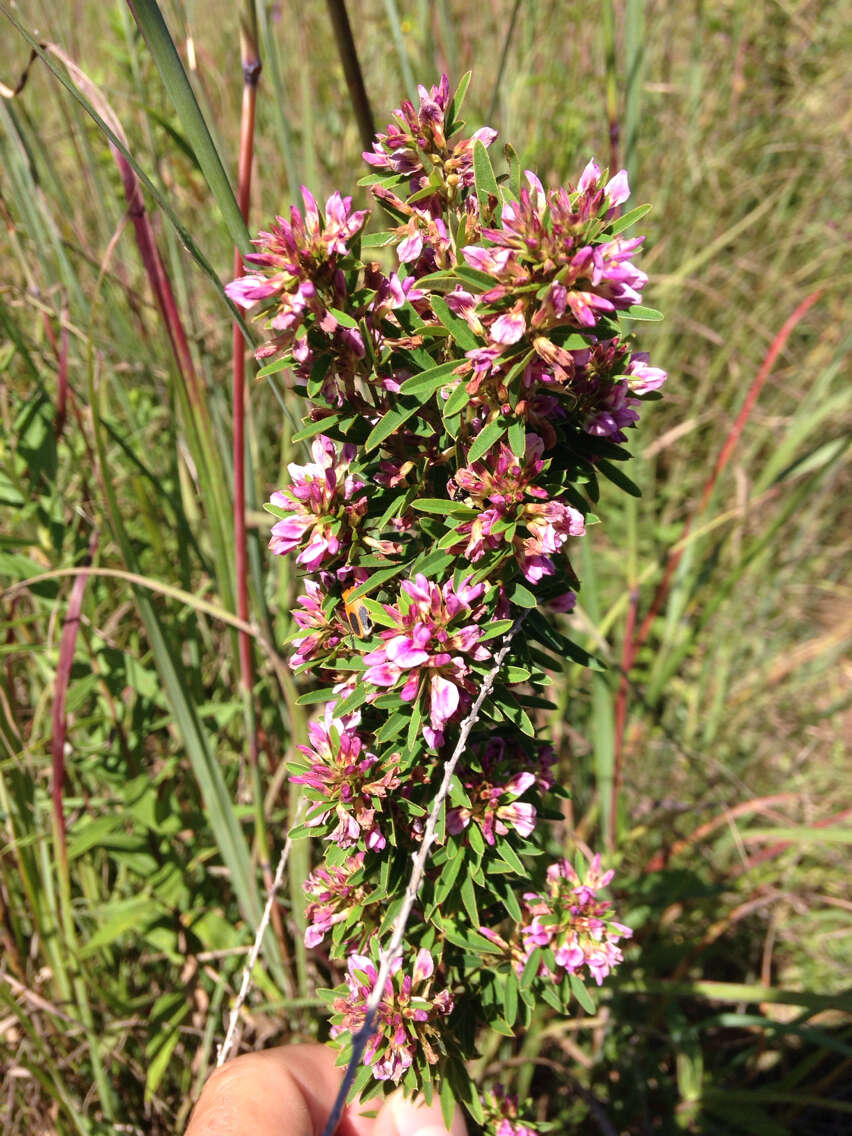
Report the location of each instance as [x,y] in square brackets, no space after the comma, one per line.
[401,1117]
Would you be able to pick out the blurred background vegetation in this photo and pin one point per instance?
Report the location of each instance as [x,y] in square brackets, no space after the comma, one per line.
[138,825]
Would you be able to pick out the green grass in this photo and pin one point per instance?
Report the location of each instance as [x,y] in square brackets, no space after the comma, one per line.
[730,826]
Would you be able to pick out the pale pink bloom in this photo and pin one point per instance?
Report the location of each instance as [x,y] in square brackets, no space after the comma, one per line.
[642,377]
[331,897]
[617,189]
[322,506]
[510,326]
[571,920]
[590,177]
[349,783]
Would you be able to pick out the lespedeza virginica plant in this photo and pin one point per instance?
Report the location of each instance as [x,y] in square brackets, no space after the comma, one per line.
[462,406]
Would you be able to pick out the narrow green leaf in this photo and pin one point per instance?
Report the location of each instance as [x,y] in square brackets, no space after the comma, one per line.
[617,477]
[483,173]
[514,165]
[468,896]
[640,312]
[314,428]
[518,438]
[439,506]
[522,596]
[486,438]
[425,384]
[273,367]
[457,327]
[499,627]
[582,995]
[453,112]
[388,423]
[457,401]
[508,853]
[375,581]
[627,220]
[160,44]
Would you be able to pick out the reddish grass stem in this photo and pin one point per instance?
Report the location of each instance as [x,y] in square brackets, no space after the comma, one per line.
[59,722]
[251,68]
[251,75]
[627,656]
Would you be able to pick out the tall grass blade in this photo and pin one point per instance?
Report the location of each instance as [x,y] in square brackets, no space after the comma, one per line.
[153,27]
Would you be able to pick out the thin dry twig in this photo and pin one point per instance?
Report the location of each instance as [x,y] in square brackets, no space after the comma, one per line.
[360,1039]
[245,982]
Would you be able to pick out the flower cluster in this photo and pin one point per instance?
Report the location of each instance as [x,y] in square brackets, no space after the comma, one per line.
[331,896]
[427,648]
[568,923]
[513,508]
[407,1019]
[350,783]
[501,1114]
[570,920]
[494,776]
[470,378]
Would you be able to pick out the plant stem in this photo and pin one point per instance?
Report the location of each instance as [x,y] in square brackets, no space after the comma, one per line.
[251,68]
[352,70]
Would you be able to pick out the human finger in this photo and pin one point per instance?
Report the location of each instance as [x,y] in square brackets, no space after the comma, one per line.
[290,1091]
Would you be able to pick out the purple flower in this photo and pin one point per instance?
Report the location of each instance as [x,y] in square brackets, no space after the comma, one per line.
[510,326]
[642,377]
[573,922]
[292,256]
[501,486]
[407,1020]
[321,633]
[502,1116]
[415,144]
[494,776]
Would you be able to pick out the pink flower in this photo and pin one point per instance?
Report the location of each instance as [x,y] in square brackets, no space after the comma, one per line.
[617,189]
[502,1115]
[493,779]
[415,143]
[430,647]
[501,485]
[291,256]
[571,920]
[510,326]
[322,633]
[408,1016]
[349,783]
[331,897]
[642,377]
[320,510]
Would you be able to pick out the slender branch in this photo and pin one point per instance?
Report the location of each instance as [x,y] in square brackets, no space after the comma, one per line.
[360,1039]
[245,983]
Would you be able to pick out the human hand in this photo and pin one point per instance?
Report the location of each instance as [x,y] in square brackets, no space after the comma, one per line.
[290,1091]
